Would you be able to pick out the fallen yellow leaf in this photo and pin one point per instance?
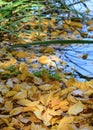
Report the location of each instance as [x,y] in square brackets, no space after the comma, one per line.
[21,54]
[44,60]
[16,111]
[65,123]
[90,28]
[76,108]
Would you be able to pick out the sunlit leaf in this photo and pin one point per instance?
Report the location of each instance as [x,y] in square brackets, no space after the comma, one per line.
[44,60]
[65,123]
[10,93]
[76,108]
[16,111]
[20,95]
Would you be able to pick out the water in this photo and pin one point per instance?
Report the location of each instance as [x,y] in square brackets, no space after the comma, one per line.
[81,59]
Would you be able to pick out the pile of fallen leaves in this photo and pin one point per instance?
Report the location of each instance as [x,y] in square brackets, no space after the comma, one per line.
[50,29]
[28,102]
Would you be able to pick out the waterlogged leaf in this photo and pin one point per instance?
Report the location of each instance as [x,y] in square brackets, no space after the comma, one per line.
[76,108]
[16,111]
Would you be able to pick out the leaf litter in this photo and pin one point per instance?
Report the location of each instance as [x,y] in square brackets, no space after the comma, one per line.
[39,101]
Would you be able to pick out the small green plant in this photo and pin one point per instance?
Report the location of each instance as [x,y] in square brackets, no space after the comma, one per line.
[11,68]
[52,75]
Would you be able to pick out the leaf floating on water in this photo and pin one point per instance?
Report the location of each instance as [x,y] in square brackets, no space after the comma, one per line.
[90,28]
[85,56]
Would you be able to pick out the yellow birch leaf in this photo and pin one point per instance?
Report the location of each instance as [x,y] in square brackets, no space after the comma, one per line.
[38,114]
[25,102]
[48,50]
[17,88]
[89,22]
[6,64]
[9,128]
[37,127]
[76,108]
[46,87]
[10,93]
[47,117]
[16,111]
[27,109]
[20,95]
[21,54]
[8,105]
[66,127]
[44,60]
[65,121]
[76,24]
[90,28]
